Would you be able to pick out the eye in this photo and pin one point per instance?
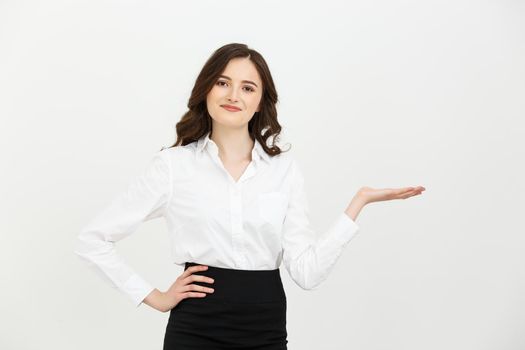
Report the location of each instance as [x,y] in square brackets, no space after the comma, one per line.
[221,82]
[250,88]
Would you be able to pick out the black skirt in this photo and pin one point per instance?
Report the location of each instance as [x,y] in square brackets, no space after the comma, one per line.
[247,310]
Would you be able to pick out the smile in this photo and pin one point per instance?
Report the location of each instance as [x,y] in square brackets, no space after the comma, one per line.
[230,109]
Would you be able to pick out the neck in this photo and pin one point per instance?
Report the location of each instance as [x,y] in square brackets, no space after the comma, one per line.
[233,144]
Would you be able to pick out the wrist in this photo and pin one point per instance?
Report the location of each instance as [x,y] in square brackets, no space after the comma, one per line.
[355,206]
[360,198]
[155,299]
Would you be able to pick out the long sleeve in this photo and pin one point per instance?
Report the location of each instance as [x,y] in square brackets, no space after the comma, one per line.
[146,197]
[308,258]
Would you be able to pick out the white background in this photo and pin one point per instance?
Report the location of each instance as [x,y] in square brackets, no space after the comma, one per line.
[377,93]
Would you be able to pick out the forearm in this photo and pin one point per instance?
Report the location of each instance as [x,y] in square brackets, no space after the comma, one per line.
[355,206]
[155,299]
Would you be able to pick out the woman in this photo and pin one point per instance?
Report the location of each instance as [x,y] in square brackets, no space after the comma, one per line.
[235,209]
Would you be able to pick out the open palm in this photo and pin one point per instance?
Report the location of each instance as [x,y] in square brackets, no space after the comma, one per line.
[384,194]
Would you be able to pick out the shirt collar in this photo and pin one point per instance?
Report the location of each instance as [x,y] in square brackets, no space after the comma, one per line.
[257,151]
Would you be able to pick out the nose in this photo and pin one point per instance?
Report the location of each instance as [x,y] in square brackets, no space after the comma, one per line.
[232,96]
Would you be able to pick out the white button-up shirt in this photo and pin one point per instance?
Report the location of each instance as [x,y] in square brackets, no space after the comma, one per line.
[253,223]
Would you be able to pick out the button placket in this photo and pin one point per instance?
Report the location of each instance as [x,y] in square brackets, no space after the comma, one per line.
[236,223]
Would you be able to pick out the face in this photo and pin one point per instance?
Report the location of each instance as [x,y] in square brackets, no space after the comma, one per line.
[239,86]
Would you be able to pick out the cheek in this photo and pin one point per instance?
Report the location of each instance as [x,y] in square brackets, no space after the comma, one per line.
[213,94]
[213,97]
[253,102]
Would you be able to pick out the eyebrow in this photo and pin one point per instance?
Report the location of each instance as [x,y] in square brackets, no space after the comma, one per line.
[244,81]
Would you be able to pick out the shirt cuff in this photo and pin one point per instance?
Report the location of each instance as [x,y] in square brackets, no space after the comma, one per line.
[137,289]
[344,229]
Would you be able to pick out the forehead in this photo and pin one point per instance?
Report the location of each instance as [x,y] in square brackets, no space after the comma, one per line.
[242,69]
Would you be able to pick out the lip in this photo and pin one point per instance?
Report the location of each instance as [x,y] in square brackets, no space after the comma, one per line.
[231,108]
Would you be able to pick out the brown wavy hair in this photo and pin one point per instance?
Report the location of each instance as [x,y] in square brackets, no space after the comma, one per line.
[197,122]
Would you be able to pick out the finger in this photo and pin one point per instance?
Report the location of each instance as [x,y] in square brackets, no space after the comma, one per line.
[193,295]
[195,287]
[193,269]
[402,195]
[417,193]
[199,278]
[403,190]
[411,193]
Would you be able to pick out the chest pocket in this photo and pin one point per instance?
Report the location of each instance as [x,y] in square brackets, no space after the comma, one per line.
[272,210]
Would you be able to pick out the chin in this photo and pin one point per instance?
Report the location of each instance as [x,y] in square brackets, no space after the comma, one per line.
[230,123]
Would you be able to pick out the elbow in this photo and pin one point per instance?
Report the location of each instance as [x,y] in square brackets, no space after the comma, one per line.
[307,284]
[80,248]
[86,245]
[304,275]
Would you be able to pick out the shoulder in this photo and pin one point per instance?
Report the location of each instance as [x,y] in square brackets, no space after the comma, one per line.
[178,154]
[286,164]
[287,159]
[181,160]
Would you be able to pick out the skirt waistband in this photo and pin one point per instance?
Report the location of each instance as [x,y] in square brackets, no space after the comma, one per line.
[241,286]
